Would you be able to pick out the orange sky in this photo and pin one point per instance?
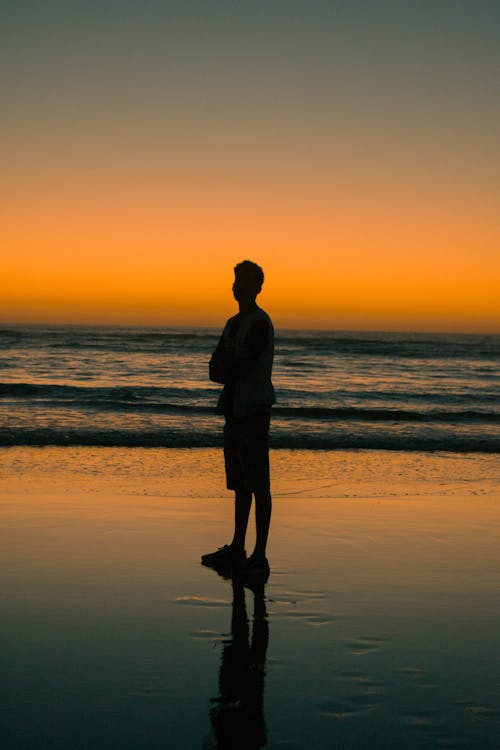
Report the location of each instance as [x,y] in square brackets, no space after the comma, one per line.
[370,203]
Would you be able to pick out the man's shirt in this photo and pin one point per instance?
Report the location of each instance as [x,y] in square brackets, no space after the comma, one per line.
[242,362]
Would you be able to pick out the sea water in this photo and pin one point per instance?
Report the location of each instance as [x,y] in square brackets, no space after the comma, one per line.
[116,386]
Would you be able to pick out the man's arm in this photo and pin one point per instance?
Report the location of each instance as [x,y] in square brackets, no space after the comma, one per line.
[255,342]
[219,368]
[226,367]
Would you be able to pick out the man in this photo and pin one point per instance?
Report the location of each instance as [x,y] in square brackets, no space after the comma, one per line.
[243,362]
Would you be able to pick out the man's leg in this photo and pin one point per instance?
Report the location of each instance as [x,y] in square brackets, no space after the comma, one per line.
[263,508]
[242,505]
[258,471]
[234,552]
[242,500]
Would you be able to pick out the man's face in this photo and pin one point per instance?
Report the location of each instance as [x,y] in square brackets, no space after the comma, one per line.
[245,288]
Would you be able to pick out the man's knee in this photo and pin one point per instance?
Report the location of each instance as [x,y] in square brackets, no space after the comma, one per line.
[243,496]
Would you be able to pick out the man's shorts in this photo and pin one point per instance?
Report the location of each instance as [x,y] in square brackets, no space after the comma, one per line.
[246,452]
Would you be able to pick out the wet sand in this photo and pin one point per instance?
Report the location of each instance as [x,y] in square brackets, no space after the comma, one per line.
[378,626]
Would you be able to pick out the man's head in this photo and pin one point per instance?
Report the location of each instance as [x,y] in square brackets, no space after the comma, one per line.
[248,280]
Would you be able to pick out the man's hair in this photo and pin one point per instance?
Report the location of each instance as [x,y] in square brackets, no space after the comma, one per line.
[252,269]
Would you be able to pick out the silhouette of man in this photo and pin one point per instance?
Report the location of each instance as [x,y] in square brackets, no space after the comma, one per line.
[243,362]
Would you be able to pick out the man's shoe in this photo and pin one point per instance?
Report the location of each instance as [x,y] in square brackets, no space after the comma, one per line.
[251,567]
[226,555]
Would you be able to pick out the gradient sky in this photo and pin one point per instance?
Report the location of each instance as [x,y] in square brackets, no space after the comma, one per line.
[350,147]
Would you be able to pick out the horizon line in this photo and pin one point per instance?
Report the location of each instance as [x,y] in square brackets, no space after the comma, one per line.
[160,326]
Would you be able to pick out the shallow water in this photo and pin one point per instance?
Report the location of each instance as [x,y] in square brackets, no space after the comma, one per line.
[378,626]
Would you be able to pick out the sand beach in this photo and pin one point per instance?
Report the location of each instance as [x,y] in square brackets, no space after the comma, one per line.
[378,626]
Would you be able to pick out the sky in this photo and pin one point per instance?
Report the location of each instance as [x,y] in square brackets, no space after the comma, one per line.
[350,147]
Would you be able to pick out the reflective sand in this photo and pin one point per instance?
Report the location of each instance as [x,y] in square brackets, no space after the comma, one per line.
[378,626]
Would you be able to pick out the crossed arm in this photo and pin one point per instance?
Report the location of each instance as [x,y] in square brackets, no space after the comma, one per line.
[226,367]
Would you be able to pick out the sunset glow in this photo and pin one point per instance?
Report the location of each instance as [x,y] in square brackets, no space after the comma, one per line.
[349,152]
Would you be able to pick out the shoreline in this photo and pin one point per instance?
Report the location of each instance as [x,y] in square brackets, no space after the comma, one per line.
[199,472]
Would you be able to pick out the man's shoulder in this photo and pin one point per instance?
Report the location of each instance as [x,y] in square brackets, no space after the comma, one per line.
[232,326]
[258,318]
[234,319]
[260,313]
[260,328]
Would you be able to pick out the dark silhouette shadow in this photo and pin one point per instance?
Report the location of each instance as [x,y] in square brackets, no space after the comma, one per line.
[237,713]
[242,362]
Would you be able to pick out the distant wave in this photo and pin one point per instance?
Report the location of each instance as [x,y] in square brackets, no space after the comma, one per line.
[100,394]
[424,348]
[288,343]
[158,400]
[388,415]
[184,401]
[188,439]
[125,341]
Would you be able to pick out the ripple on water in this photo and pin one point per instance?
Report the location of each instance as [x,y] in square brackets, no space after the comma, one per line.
[352,705]
[417,676]
[360,678]
[363,645]
[413,672]
[293,597]
[361,694]
[210,635]
[480,712]
[201,601]
[309,618]
[426,722]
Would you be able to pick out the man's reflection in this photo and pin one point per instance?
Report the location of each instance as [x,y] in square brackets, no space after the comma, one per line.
[237,714]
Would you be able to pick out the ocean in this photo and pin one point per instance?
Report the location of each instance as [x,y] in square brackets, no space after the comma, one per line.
[117,386]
